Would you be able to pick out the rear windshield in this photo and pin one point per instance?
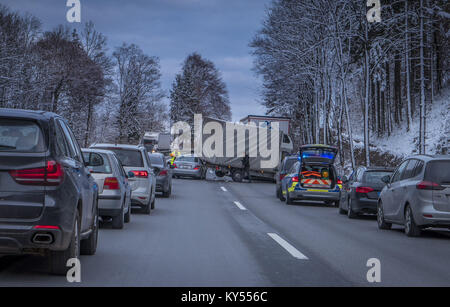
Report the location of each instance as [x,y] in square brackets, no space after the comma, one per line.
[375,176]
[21,136]
[187,159]
[289,163]
[156,160]
[128,157]
[438,172]
[97,163]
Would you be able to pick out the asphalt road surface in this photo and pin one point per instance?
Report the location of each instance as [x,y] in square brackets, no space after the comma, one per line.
[219,233]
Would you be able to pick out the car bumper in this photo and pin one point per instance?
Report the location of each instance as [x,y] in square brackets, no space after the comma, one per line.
[187,172]
[365,205]
[314,195]
[428,216]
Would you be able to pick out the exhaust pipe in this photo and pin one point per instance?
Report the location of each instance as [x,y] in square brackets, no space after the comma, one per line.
[43,238]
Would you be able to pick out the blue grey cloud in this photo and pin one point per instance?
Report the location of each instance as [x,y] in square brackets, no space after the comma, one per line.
[220,30]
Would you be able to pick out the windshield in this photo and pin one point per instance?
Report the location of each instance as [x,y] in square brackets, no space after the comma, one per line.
[375,176]
[128,157]
[20,136]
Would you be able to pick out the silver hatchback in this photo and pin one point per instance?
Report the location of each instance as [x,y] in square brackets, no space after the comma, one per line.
[114,199]
[417,195]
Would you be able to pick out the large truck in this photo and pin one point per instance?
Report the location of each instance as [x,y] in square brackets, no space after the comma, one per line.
[254,140]
[157,142]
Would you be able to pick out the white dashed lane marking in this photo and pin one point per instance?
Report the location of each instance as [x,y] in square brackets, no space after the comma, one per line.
[239,205]
[223,189]
[291,250]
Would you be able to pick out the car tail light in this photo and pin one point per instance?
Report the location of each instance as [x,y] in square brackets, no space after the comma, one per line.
[282,176]
[339,181]
[196,168]
[295,179]
[111,183]
[163,173]
[428,185]
[51,175]
[363,190]
[140,174]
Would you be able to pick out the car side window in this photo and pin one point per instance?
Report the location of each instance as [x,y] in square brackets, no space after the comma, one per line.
[418,169]
[294,168]
[73,140]
[71,151]
[409,169]
[119,166]
[62,147]
[359,175]
[399,171]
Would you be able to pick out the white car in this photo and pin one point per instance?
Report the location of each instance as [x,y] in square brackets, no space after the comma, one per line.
[135,159]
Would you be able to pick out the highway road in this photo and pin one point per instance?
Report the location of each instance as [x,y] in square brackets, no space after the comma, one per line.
[220,233]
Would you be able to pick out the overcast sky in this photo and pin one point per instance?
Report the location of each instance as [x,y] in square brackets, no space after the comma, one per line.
[220,30]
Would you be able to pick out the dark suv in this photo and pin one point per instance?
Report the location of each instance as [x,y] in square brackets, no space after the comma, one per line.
[48,199]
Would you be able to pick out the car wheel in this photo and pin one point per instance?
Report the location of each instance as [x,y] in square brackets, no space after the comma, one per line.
[152,206]
[128,215]
[350,213]
[147,209]
[382,224]
[169,191]
[411,229]
[288,199]
[58,259]
[119,220]
[89,245]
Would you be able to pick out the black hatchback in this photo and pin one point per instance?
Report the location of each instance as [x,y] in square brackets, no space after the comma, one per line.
[360,192]
[48,199]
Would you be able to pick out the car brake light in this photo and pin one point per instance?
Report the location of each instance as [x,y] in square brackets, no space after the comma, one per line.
[363,190]
[45,227]
[140,174]
[295,179]
[196,168]
[51,175]
[339,181]
[282,176]
[428,185]
[163,173]
[111,183]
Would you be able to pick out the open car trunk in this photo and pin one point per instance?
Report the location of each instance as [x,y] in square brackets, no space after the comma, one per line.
[317,176]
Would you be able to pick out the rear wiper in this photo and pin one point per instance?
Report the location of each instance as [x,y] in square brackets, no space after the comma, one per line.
[7,146]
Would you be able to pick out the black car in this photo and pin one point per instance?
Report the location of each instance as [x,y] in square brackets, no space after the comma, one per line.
[285,166]
[361,190]
[48,198]
[163,174]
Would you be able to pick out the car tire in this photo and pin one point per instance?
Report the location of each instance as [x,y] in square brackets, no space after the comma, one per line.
[119,220]
[288,199]
[58,259]
[382,224]
[280,194]
[167,194]
[89,245]
[411,228]
[127,218]
[152,206]
[147,209]
[350,213]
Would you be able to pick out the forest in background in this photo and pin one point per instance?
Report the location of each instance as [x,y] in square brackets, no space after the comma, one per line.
[329,69]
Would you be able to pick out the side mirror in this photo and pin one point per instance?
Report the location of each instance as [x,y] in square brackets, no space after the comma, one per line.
[131,174]
[386,179]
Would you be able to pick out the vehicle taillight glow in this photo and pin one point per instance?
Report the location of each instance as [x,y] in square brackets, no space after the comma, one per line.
[282,176]
[363,190]
[45,227]
[140,174]
[295,179]
[428,185]
[111,183]
[196,168]
[163,173]
[339,181]
[51,175]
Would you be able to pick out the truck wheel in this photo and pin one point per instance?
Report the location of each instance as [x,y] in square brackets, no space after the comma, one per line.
[237,176]
[58,259]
